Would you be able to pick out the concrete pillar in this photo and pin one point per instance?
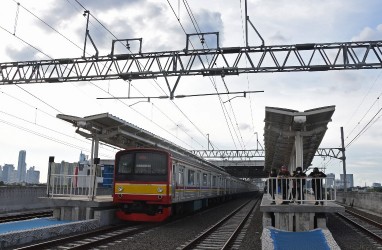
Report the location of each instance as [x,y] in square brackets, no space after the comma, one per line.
[105,217]
[267,220]
[299,148]
[304,221]
[57,213]
[284,221]
[66,213]
[75,213]
[321,221]
[89,213]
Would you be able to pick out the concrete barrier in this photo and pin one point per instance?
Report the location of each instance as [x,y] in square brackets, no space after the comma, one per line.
[371,201]
[21,198]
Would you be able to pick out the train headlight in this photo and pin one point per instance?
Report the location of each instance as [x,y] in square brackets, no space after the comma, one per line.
[120,189]
[160,190]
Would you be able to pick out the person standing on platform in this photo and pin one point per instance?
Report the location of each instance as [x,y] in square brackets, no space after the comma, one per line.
[292,187]
[272,184]
[283,182]
[300,183]
[317,184]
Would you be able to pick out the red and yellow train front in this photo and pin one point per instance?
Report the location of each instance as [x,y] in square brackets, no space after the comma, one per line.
[141,185]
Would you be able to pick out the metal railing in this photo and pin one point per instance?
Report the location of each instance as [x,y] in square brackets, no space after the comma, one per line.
[65,185]
[301,190]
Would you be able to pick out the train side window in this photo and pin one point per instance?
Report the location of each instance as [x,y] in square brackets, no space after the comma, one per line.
[191,177]
[214,181]
[197,182]
[204,179]
[180,176]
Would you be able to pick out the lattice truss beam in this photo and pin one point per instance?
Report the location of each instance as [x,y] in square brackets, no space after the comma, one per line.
[246,154]
[206,62]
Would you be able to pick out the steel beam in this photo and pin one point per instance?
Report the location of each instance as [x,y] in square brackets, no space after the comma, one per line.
[205,62]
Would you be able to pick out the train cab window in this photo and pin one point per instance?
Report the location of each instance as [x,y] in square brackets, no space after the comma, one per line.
[125,165]
[191,177]
[141,166]
[204,180]
[150,163]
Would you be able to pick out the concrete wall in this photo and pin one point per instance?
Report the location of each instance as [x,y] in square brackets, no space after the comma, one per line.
[20,198]
[14,198]
[365,200]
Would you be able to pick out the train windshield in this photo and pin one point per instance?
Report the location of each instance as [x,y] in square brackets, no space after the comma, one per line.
[141,166]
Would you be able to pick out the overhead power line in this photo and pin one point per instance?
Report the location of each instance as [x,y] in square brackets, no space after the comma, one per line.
[183,96]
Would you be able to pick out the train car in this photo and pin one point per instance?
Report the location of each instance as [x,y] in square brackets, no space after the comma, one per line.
[152,184]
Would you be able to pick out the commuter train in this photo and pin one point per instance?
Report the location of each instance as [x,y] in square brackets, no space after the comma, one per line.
[153,184]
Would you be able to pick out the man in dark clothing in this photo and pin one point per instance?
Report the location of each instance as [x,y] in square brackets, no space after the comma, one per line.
[300,183]
[283,183]
[317,184]
[272,184]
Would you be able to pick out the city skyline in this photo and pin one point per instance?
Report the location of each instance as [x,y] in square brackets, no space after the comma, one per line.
[20,175]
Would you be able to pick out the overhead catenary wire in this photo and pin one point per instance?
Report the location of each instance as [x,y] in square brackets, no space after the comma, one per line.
[365,128]
[196,27]
[153,79]
[360,104]
[246,63]
[51,58]
[198,30]
[43,135]
[55,30]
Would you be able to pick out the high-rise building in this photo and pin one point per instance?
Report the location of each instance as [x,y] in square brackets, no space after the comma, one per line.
[83,157]
[22,166]
[9,173]
[349,180]
[1,173]
[33,176]
[330,180]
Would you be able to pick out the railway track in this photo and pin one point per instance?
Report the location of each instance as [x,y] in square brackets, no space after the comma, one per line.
[91,239]
[223,234]
[26,216]
[371,228]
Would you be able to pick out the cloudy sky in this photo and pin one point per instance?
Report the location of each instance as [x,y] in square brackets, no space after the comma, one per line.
[43,29]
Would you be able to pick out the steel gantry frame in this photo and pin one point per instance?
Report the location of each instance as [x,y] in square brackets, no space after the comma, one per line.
[206,62]
[247,154]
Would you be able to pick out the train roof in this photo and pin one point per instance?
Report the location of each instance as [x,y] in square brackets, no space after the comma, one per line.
[124,135]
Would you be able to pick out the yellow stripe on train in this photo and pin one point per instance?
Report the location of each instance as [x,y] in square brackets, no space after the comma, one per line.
[129,188]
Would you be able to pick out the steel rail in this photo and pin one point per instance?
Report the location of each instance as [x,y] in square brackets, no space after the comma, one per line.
[191,244]
[358,225]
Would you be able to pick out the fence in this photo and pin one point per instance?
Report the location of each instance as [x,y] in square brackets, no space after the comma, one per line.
[76,185]
[301,189]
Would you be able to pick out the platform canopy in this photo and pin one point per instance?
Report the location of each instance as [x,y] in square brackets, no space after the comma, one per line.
[243,168]
[282,126]
[121,134]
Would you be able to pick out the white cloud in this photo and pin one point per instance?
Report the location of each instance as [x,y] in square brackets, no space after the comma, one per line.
[369,34]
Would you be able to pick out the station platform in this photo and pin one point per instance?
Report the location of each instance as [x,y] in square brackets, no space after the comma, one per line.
[29,224]
[295,217]
[26,231]
[76,208]
[320,239]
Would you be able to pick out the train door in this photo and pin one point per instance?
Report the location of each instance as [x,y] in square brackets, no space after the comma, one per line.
[198,183]
[180,182]
[219,184]
[173,183]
